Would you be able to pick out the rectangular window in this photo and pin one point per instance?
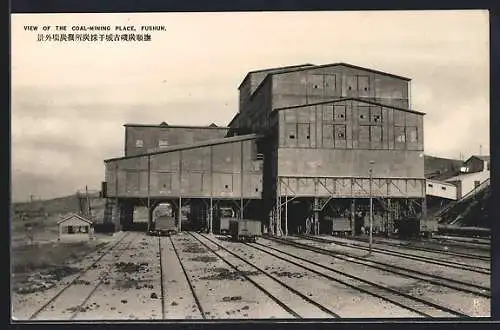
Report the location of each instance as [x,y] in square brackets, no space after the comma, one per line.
[327,113]
[364,136]
[399,135]
[139,143]
[376,114]
[411,133]
[364,114]
[328,136]
[162,143]
[339,112]
[304,135]
[376,136]
[291,135]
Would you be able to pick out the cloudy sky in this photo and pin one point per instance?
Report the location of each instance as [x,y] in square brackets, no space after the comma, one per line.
[70,100]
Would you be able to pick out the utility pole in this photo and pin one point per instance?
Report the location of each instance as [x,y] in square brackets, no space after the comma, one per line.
[371,206]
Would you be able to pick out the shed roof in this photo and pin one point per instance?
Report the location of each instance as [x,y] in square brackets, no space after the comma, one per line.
[74,215]
[200,144]
[350,99]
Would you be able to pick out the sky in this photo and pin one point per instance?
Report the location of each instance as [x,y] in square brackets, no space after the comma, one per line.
[71,99]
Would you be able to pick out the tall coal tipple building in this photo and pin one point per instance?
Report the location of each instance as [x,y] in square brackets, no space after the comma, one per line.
[308,142]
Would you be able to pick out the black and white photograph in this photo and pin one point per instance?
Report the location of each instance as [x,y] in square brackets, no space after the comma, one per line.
[317,165]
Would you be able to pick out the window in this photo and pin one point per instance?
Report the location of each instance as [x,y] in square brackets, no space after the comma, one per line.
[328,135]
[339,112]
[162,143]
[412,134]
[430,185]
[139,143]
[443,188]
[399,133]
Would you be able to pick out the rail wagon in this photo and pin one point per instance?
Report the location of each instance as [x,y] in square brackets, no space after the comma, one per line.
[428,227]
[226,215]
[340,225]
[245,230]
[164,223]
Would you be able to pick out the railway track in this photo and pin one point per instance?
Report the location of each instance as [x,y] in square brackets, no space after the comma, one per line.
[451,283]
[190,284]
[73,281]
[455,265]
[416,305]
[162,288]
[426,249]
[325,310]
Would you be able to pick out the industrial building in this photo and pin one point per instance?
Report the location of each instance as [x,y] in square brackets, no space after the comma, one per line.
[308,141]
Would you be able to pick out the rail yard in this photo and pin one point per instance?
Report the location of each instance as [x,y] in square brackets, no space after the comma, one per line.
[200,276]
[314,203]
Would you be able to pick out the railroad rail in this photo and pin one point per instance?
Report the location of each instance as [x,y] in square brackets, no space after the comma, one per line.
[455,265]
[451,283]
[425,249]
[86,270]
[416,305]
[191,288]
[264,290]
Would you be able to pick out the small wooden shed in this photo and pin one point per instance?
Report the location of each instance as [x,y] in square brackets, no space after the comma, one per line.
[75,226]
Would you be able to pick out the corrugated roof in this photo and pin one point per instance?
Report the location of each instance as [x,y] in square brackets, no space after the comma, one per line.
[192,146]
[350,99]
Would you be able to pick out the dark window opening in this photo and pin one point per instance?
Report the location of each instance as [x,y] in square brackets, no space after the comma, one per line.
[341,135]
[361,116]
[377,118]
[341,116]
[444,188]
[292,136]
[366,88]
[350,88]
[307,137]
[315,86]
[430,185]
[226,186]
[257,189]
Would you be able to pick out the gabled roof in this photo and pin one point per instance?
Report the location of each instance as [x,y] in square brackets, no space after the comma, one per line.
[305,68]
[282,68]
[74,215]
[200,144]
[349,99]
[234,118]
[484,158]
[163,125]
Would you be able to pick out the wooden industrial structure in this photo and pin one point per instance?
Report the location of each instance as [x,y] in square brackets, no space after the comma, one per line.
[319,139]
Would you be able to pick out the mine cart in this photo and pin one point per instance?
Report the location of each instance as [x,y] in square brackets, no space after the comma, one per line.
[245,230]
[164,223]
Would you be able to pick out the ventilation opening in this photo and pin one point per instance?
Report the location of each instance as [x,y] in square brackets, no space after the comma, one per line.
[226,186]
[362,116]
[341,135]
[366,88]
[444,188]
[292,136]
[350,88]
[315,86]
[307,137]
[341,116]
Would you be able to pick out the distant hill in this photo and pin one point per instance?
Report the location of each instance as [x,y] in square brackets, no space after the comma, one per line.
[56,206]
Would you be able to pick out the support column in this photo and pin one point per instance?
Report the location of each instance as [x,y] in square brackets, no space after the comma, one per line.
[316,216]
[211,217]
[115,216]
[353,217]
[180,214]
[286,215]
[150,216]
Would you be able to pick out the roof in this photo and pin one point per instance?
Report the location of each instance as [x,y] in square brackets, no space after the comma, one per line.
[200,144]
[462,176]
[350,99]
[329,65]
[285,68]
[484,158]
[163,125]
[74,215]
[234,118]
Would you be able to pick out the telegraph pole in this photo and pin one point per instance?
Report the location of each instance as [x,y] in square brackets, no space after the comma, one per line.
[371,206]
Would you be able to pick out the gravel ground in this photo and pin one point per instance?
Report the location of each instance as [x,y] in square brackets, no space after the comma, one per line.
[467,303]
[347,302]
[24,305]
[223,293]
[132,290]
[432,269]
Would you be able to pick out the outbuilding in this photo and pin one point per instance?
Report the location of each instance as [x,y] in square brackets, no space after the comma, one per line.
[75,226]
